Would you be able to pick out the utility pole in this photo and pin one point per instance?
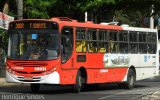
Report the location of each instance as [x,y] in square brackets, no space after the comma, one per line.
[86,16]
[20,9]
[151,18]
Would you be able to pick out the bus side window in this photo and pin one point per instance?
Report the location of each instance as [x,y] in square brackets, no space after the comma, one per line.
[151,38]
[142,43]
[103,41]
[80,40]
[123,41]
[113,44]
[92,40]
[133,42]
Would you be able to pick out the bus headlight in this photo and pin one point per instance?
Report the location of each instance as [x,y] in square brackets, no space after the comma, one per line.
[50,71]
[10,70]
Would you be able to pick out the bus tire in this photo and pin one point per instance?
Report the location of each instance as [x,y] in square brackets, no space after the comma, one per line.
[35,88]
[78,86]
[131,78]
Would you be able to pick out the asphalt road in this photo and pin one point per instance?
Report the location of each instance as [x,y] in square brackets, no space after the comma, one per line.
[142,91]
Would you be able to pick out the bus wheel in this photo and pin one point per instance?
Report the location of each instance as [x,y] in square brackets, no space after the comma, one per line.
[131,78]
[35,88]
[78,86]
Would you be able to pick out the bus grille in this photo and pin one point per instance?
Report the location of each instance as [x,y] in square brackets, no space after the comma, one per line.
[29,80]
[35,79]
[29,64]
[22,72]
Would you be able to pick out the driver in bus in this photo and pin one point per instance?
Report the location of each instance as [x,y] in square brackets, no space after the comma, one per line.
[32,49]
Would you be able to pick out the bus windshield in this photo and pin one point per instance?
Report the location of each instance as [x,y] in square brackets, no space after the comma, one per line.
[25,44]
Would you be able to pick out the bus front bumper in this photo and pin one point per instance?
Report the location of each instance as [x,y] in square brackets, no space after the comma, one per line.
[53,78]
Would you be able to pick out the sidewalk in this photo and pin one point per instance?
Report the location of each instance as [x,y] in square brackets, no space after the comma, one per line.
[2,78]
[2,71]
[4,83]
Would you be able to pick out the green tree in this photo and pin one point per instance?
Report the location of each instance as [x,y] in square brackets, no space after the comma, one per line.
[36,8]
[67,8]
[2,4]
[106,10]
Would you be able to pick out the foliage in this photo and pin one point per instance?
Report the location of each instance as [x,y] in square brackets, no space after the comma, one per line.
[124,10]
[93,4]
[1,4]
[66,8]
[4,38]
[76,8]
[36,8]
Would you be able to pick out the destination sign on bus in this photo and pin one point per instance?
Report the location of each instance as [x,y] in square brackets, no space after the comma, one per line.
[32,25]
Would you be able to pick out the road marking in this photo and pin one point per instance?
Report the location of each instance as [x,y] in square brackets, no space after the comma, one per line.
[145,90]
[117,94]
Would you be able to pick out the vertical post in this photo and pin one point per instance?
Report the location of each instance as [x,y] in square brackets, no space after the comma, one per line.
[151,18]
[86,16]
[20,9]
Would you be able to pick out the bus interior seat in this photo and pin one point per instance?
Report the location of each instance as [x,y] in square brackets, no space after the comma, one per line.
[102,50]
[79,46]
[90,48]
[84,46]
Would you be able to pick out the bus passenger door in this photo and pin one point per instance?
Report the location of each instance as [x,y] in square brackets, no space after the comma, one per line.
[67,47]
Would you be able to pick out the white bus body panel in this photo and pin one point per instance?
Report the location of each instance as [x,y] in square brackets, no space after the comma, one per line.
[146,65]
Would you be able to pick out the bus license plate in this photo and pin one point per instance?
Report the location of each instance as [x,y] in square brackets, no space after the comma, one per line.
[28,78]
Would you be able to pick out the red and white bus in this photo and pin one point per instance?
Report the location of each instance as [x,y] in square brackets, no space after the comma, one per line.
[66,52]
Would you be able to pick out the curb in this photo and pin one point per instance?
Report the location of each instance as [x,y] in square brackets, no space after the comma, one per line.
[2,71]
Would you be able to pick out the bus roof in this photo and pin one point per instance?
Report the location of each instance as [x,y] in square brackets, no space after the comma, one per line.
[87,24]
[65,21]
[31,20]
[140,29]
[69,22]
